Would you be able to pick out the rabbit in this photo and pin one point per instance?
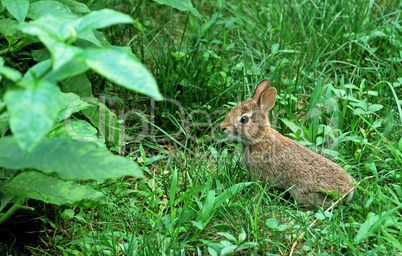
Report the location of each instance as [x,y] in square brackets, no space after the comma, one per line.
[272,157]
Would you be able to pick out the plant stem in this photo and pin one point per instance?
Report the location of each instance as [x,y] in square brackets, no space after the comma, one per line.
[17,205]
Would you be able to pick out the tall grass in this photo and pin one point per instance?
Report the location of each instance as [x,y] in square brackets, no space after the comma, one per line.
[337,68]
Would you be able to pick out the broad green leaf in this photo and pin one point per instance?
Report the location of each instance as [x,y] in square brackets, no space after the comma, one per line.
[68,213]
[323,215]
[228,236]
[274,48]
[197,224]
[78,84]
[75,6]
[375,107]
[351,86]
[61,53]
[68,70]
[4,123]
[272,223]
[102,118]
[101,19]
[89,38]
[32,106]
[8,27]
[365,227]
[71,160]
[57,28]
[9,73]
[228,249]
[43,69]
[182,5]
[242,236]
[70,103]
[40,9]
[79,130]
[122,68]
[41,54]
[52,190]
[18,8]
[207,208]
[5,199]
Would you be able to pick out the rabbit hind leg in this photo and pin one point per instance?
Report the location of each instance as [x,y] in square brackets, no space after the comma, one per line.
[306,194]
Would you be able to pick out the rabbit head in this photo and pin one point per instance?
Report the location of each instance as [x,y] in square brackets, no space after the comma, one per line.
[248,122]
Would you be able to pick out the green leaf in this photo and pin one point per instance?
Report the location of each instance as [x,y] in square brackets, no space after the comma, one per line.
[190,192]
[229,193]
[242,236]
[52,190]
[61,52]
[68,213]
[197,224]
[316,95]
[400,144]
[102,118]
[9,73]
[330,194]
[291,125]
[274,48]
[182,5]
[79,130]
[32,106]
[97,20]
[8,28]
[122,68]
[272,223]
[18,8]
[172,190]
[68,158]
[323,215]
[365,227]
[5,199]
[207,207]
[375,107]
[75,6]
[78,84]
[69,104]
[56,28]
[4,123]
[40,9]
[228,236]
[228,249]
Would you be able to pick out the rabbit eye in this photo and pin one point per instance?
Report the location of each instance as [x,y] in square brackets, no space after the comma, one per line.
[244,120]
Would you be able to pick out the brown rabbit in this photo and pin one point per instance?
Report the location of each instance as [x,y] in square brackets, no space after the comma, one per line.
[274,158]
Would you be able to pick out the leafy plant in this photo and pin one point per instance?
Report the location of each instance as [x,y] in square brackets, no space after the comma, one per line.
[50,143]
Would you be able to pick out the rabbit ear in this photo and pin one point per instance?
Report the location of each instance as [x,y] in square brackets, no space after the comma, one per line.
[262,86]
[267,99]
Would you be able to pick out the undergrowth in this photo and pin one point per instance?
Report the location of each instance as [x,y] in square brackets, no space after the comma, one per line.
[337,68]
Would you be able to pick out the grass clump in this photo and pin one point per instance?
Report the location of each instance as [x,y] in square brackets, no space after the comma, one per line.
[337,69]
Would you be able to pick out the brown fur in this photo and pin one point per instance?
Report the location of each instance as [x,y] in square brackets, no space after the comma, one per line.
[272,157]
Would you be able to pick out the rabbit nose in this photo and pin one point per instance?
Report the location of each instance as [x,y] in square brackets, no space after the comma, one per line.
[224,126]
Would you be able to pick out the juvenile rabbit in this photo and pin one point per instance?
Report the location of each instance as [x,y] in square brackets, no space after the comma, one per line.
[275,158]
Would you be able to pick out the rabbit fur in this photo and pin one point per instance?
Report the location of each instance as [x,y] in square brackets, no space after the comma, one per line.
[272,157]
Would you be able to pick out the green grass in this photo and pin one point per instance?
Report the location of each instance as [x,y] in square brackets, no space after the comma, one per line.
[337,68]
